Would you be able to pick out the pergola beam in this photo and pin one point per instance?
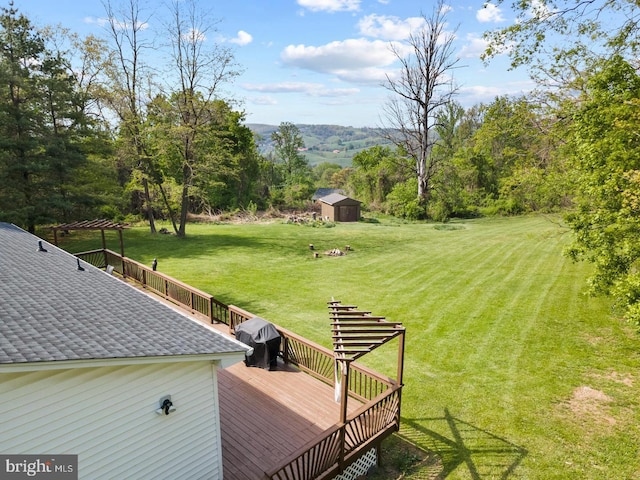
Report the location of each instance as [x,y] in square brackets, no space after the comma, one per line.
[356,333]
[101,225]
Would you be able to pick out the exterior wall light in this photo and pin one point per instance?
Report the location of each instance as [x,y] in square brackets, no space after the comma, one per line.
[166,406]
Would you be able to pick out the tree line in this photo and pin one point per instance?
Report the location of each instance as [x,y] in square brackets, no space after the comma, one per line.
[128,126]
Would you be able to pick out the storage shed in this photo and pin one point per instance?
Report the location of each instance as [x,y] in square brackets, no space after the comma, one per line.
[339,208]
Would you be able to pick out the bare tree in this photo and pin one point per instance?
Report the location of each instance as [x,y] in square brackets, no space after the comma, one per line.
[128,77]
[199,68]
[423,86]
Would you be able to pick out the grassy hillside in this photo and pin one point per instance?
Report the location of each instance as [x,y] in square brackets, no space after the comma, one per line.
[511,372]
[325,143]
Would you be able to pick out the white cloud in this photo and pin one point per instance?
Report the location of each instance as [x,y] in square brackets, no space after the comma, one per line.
[330,5]
[446,9]
[307,88]
[242,38]
[489,13]
[263,100]
[119,25]
[475,94]
[282,87]
[540,10]
[389,27]
[474,47]
[370,75]
[194,36]
[341,58]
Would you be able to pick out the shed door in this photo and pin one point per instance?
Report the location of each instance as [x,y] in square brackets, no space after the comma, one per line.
[348,213]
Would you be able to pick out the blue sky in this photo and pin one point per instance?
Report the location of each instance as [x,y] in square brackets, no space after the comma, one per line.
[319,61]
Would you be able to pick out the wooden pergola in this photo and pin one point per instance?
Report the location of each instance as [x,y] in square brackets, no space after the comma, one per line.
[356,333]
[101,225]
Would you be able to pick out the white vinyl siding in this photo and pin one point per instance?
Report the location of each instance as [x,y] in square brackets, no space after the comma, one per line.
[106,415]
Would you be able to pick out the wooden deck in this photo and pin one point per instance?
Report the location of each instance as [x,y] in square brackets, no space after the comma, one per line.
[265,416]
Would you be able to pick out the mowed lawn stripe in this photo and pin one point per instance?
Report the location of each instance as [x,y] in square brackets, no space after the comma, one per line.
[502,345]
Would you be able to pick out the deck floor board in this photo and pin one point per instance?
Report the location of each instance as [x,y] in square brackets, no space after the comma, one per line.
[265,416]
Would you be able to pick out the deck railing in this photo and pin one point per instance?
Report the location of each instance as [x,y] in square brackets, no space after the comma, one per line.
[192,299]
[338,446]
[318,361]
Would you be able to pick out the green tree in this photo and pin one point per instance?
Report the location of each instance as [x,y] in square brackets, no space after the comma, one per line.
[513,156]
[294,168]
[552,33]
[225,169]
[200,67]
[42,126]
[323,174]
[448,198]
[606,152]
[288,143]
[376,171]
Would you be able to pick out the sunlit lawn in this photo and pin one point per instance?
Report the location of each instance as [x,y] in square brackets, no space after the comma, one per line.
[511,372]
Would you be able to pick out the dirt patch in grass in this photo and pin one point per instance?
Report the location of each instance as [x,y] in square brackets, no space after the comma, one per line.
[403,460]
[591,405]
[627,379]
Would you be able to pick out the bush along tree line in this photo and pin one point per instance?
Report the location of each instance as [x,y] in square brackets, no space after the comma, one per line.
[101,127]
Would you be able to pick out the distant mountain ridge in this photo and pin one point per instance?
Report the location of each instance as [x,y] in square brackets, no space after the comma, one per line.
[325,143]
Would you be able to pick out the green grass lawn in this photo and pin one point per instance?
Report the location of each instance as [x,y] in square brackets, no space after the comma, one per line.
[511,371]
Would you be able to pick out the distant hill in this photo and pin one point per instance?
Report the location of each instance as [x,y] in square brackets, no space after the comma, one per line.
[325,143]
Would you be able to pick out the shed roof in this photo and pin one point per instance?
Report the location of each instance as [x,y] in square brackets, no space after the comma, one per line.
[323,192]
[335,198]
[54,307]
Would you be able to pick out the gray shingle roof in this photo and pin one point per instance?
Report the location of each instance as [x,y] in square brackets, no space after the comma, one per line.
[334,198]
[323,192]
[51,311]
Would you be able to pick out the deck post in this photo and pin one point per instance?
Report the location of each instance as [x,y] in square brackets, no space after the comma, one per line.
[121,243]
[344,396]
[344,389]
[285,350]
[400,371]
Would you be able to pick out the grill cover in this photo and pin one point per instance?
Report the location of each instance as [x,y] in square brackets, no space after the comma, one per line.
[265,340]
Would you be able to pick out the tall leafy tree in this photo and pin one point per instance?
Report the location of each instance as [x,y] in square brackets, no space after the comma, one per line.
[288,143]
[376,171]
[41,127]
[293,166]
[606,151]
[448,190]
[560,32]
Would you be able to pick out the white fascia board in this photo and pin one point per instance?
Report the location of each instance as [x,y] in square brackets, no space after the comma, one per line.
[222,360]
